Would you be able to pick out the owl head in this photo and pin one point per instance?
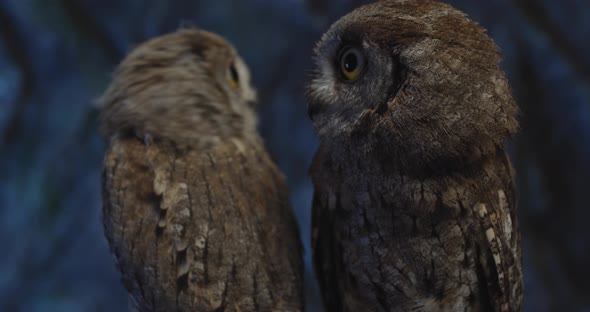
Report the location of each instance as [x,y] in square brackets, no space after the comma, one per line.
[415,81]
[189,87]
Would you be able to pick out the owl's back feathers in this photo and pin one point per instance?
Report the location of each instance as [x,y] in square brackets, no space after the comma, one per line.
[201,230]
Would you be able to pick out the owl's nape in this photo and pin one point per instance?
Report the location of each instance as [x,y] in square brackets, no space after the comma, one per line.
[194,210]
[414,204]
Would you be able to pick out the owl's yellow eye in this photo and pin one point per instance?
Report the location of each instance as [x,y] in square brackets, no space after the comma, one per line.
[352,63]
[234,79]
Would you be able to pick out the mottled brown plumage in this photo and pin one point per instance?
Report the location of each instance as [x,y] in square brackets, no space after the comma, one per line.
[414,204]
[195,212]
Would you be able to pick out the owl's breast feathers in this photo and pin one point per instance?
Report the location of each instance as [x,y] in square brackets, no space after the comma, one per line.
[387,241]
[201,230]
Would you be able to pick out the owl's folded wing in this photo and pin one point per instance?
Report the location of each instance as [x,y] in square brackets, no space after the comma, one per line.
[499,255]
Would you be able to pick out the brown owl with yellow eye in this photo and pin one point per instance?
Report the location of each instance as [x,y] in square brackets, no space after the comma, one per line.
[195,212]
[414,205]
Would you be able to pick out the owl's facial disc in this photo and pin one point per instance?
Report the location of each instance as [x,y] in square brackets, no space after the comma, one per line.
[355,77]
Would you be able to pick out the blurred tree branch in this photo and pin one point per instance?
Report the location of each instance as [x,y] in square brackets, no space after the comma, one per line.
[537,15]
[17,51]
[90,29]
[544,226]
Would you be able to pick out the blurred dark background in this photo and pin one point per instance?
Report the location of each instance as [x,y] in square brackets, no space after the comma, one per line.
[56,58]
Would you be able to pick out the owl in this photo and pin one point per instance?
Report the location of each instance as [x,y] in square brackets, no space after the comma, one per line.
[195,212]
[414,199]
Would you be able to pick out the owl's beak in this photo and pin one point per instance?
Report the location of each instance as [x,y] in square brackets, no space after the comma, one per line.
[314,109]
[381,108]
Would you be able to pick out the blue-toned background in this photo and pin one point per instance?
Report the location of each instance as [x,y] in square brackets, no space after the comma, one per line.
[56,57]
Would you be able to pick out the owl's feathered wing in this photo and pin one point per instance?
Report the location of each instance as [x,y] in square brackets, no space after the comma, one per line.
[326,251]
[326,256]
[498,245]
[385,261]
[201,230]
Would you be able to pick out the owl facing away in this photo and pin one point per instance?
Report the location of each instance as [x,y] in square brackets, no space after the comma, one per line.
[414,202]
[195,212]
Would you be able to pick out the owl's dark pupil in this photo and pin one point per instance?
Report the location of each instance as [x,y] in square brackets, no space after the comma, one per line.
[350,62]
[234,73]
